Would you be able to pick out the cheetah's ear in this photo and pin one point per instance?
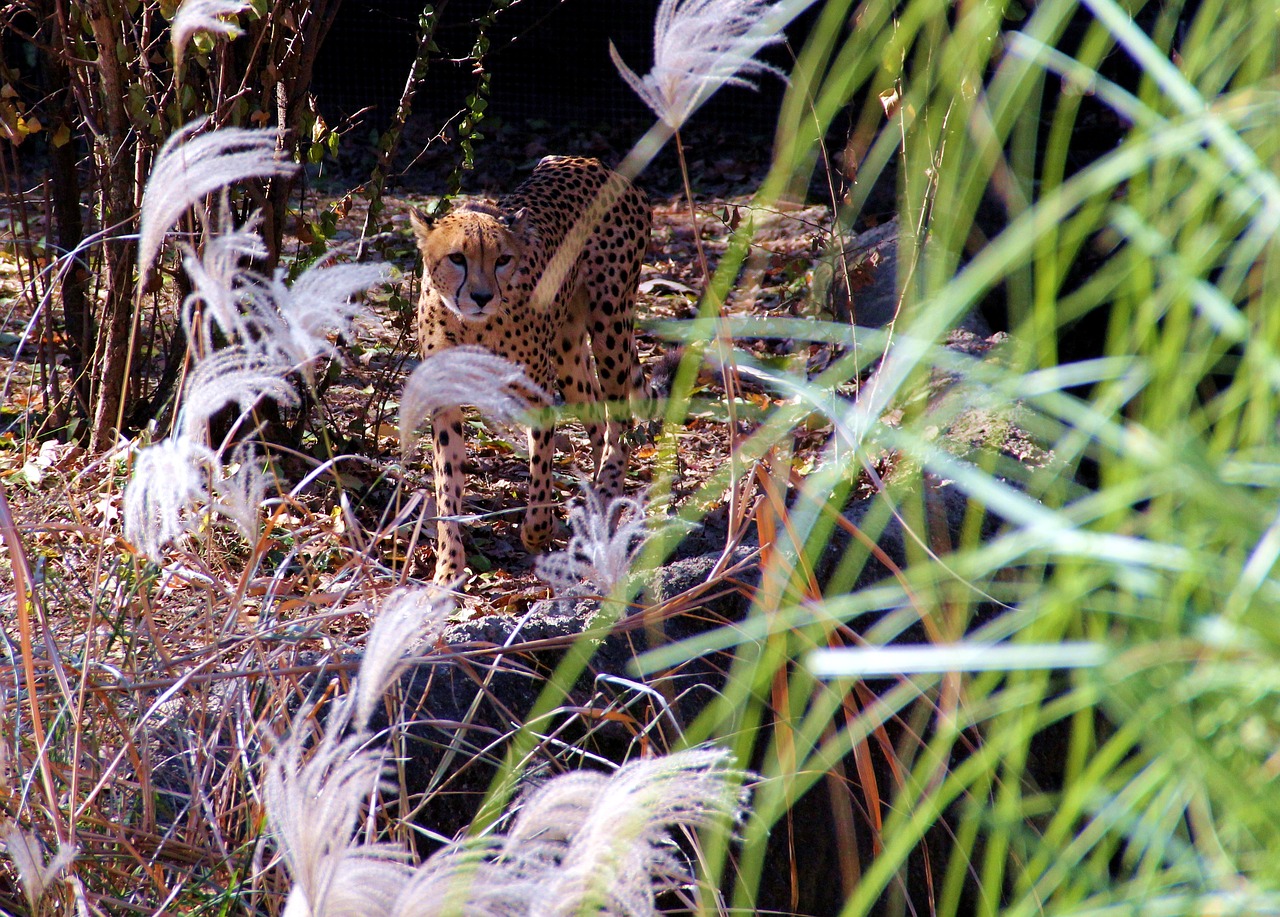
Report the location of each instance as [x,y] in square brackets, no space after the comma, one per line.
[422,223]
[518,223]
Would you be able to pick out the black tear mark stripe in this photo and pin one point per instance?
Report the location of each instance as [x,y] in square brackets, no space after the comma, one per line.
[462,284]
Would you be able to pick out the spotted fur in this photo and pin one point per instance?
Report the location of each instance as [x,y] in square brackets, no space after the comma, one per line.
[547,278]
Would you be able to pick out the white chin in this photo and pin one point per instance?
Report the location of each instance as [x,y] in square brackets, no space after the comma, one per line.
[468,313]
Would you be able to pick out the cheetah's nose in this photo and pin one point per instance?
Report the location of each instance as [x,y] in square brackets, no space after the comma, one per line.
[481,299]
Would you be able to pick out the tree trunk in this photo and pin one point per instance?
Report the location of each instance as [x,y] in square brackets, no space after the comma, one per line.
[114,162]
[65,200]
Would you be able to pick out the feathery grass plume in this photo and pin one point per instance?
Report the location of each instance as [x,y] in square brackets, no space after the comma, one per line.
[174,476]
[242,375]
[203,16]
[274,328]
[580,842]
[293,319]
[218,282]
[604,541]
[365,883]
[169,480]
[699,46]
[298,318]
[34,875]
[469,878]
[584,843]
[313,807]
[188,167]
[496,387]
[409,618]
[606,839]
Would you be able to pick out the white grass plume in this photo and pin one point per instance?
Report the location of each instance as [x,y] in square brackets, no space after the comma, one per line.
[409,618]
[699,46]
[614,831]
[274,328]
[239,495]
[496,387]
[240,375]
[169,481]
[583,843]
[365,883]
[291,321]
[203,16]
[34,874]
[469,878]
[294,319]
[298,318]
[177,475]
[189,166]
[603,544]
[313,807]
[218,282]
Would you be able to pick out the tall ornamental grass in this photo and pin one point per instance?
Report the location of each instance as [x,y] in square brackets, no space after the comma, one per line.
[1140,775]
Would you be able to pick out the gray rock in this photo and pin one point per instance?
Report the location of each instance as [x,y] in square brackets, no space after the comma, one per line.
[860,280]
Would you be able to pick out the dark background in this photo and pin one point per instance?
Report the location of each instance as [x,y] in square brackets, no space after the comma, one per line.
[549,59]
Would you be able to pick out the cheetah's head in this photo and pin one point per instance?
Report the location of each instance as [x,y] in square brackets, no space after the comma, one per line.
[471,255]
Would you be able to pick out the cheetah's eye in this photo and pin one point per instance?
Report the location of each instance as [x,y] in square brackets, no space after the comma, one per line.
[502,260]
[458,258]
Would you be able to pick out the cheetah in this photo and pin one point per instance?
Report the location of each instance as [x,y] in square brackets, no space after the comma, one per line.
[547,278]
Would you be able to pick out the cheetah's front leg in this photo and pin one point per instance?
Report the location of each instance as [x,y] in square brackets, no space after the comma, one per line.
[449,452]
[536,530]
